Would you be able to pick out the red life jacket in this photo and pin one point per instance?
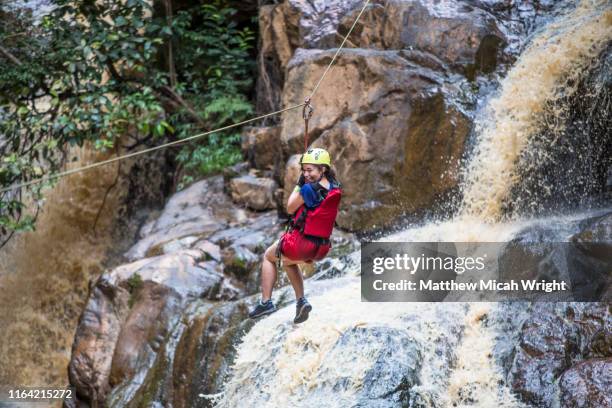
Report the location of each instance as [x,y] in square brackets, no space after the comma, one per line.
[320,220]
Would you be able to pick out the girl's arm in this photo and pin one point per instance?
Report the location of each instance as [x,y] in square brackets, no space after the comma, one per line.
[295,201]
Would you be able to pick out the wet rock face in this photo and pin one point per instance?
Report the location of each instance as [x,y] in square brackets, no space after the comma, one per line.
[568,342]
[395,370]
[189,212]
[285,27]
[539,252]
[144,329]
[133,310]
[559,351]
[466,38]
[204,353]
[256,193]
[129,315]
[587,384]
[95,338]
[426,26]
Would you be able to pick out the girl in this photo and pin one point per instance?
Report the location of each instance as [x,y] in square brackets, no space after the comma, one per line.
[314,204]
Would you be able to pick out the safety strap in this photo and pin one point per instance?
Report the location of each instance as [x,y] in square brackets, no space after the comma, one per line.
[300,223]
[278,250]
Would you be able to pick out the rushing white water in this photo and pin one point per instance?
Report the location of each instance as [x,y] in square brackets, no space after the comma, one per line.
[323,362]
[548,69]
[443,351]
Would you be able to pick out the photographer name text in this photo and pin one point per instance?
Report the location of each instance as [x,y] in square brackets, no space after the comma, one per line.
[482,285]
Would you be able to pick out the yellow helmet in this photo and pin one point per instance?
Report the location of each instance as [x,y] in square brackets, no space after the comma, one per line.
[316,156]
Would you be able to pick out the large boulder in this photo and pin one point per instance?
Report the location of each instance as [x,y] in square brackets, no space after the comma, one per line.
[152,316]
[254,192]
[205,351]
[135,310]
[289,25]
[554,339]
[95,339]
[131,311]
[583,262]
[587,384]
[195,211]
[468,39]
[261,146]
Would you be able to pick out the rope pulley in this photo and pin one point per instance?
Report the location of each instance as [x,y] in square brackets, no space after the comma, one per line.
[306,114]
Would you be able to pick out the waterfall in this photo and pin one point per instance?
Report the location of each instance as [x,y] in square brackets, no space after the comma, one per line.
[550,68]
[44,274]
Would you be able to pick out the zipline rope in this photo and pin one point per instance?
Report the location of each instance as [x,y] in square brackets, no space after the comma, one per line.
[114,159]
[104,162]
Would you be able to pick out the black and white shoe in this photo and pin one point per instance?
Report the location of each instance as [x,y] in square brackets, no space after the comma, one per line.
[302,308]
[262,309]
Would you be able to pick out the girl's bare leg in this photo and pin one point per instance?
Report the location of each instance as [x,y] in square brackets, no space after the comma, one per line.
[269,274]
[296,279]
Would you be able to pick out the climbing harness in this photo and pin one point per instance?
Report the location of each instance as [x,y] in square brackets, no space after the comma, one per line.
[278,248]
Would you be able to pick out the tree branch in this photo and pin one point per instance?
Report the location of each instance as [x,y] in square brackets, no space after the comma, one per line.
[113,71]
[10,56]
[171,67]
[176,97]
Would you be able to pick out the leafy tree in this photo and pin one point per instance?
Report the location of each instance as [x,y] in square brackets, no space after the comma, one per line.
[95,71]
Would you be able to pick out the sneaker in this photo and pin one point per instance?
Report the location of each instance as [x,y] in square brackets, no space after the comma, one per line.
[302,308]
[262,309]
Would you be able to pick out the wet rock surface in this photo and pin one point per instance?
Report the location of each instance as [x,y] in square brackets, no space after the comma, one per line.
[587,384]
[490,30]
[578,254]
[562,344]
[551,351]
[582,123]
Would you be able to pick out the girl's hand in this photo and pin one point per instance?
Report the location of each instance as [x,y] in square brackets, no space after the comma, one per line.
[301,180]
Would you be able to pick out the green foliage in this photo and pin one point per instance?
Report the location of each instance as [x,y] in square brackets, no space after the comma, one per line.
[96,71]
[134,283]
[216,56]
[220,151]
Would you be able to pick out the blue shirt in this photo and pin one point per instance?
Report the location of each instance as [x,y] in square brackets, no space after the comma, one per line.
[311,197]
